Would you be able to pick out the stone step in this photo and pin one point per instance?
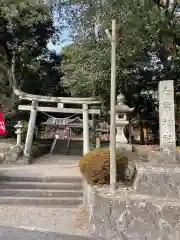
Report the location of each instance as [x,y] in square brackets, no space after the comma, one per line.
[40,185]
[40,193]
[29,187]
[41,179]
[68,201]
[76,153]
[75,147]
[68,150]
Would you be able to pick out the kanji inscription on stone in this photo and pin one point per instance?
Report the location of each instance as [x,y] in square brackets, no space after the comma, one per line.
[167,116]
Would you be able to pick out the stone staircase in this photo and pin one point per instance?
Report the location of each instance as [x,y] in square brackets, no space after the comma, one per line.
[52,191]
[75,147]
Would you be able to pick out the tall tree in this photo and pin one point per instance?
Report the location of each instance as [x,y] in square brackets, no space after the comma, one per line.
[144,43]
[90,65]
[43,73]
[147,37]
[25,29]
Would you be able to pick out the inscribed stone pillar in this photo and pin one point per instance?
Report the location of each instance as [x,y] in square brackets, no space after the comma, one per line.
[167,116]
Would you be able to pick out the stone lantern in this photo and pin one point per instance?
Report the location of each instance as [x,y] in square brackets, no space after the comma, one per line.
[19,128]
[121,121]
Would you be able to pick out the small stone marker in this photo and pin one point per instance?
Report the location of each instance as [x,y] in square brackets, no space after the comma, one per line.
[98,142]
[18,131]
[167,116]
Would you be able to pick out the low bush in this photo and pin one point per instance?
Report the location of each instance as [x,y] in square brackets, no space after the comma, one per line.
[95,166]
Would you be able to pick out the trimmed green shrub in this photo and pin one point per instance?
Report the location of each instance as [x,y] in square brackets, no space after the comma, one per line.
[95,166]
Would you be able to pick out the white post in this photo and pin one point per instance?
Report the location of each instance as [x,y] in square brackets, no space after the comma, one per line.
[98,143]
[30,132]
[85,129]
[18,140]
[60,105]
[112,38]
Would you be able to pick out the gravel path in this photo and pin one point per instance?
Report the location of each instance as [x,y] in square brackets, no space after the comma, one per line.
[59,220]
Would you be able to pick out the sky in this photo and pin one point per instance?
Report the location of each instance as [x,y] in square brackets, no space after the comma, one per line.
[58,46]
[64,38]
[64,41]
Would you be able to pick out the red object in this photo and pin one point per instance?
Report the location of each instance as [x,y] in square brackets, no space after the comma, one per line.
[2,125]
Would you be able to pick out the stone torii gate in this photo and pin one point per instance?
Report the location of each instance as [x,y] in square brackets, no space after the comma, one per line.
[34,108]
[35,99]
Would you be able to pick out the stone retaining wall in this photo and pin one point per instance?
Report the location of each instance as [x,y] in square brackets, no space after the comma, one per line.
[5,148]
[138,213]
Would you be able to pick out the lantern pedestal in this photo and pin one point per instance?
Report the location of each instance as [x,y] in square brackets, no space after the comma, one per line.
[121,141]
[121,123]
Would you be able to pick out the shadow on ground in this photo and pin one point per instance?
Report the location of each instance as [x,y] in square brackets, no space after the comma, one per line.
[7,233]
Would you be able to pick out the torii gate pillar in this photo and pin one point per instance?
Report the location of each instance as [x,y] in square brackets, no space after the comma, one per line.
[30,131]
